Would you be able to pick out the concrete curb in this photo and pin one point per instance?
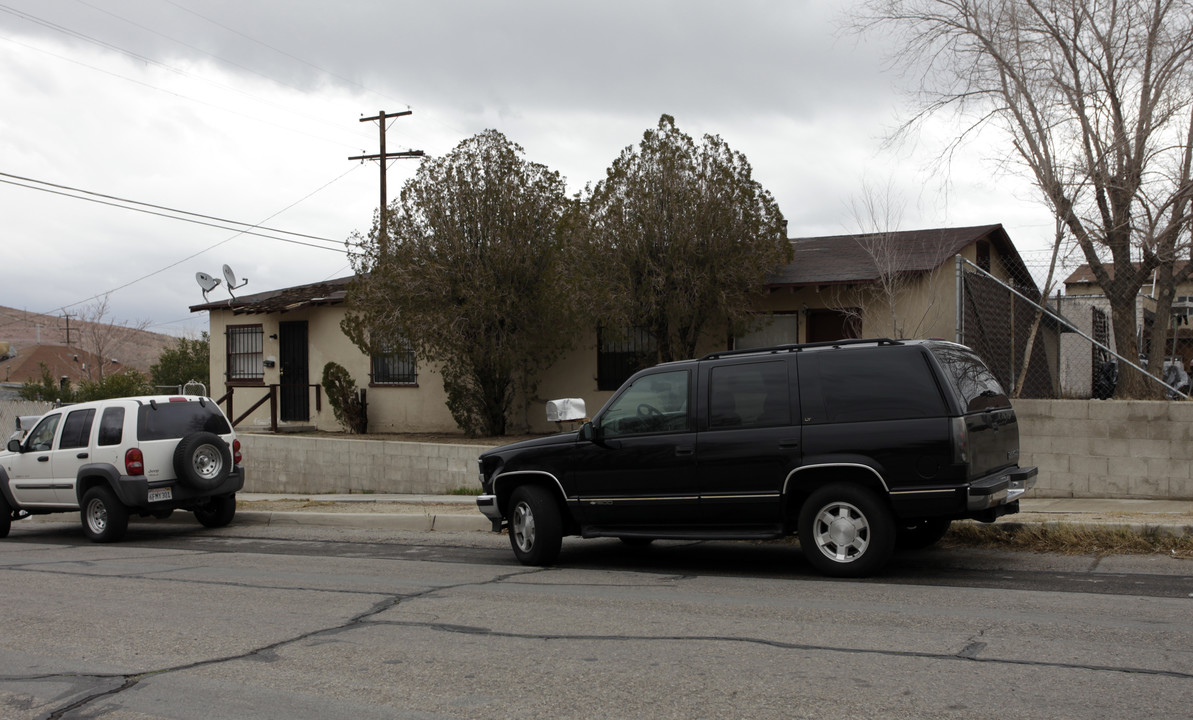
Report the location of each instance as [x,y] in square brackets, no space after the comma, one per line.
[368,521]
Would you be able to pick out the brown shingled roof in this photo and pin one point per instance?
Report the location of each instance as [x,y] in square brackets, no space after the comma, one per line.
[841,259]
[1084,274]
[61,360]
[829,260]
[327,292]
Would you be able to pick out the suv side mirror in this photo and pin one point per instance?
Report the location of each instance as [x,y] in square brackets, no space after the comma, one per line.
[14,445]
[589,433]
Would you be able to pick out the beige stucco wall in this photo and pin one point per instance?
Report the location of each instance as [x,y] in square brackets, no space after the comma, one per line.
[923,308]
[421,408]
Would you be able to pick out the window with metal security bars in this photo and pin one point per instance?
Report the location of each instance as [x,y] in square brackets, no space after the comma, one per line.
[395,368]
[245,359]
[620,355]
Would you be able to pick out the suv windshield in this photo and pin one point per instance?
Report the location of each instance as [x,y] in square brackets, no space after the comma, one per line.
[973,381]
[172,420]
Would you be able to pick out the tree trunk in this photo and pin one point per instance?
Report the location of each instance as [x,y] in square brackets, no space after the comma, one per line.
[1132,385]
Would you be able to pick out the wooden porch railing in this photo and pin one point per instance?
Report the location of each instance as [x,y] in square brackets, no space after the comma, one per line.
[271,396]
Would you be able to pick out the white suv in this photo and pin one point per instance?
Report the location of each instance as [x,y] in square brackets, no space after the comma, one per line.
[110,458]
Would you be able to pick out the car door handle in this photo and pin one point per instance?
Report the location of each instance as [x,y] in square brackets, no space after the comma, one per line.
[44,458]
[788,444]
[81,456]
[685,450]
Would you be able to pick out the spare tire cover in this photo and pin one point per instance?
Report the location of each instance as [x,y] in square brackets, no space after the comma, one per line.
[202,460]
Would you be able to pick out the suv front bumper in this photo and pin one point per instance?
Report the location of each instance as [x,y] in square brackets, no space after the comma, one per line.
[487,504]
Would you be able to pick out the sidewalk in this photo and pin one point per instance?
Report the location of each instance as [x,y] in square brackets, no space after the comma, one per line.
[459,513]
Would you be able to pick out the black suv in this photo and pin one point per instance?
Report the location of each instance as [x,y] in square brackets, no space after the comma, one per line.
[858,446]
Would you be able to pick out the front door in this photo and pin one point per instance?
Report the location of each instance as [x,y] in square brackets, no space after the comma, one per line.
[640,472]
[295,380]
[30,475]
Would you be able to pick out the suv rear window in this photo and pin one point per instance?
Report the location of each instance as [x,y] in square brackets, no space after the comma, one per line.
[173,420]
[975,384]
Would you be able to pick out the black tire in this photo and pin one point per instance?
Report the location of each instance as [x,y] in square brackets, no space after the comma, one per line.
[105,518]
[202,461]
[536,528]
[921,534]
[218,512]
[5,517]
[846,531]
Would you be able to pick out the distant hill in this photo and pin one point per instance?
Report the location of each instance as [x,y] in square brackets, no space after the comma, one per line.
[133,348]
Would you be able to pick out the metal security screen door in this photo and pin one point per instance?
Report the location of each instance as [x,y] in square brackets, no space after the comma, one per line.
[293,387]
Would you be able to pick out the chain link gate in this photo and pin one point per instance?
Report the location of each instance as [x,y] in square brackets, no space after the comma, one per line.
[1037,351]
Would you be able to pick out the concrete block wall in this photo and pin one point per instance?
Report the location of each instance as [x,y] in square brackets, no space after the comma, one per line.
[1108,448]
[304,464]
[1084,448]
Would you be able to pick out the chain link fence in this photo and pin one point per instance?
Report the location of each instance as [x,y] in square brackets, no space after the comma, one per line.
[10,410]
[1057,347]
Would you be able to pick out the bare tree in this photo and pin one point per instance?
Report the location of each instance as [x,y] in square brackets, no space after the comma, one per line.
[884,303]
[1096,100]
[1058,241]
[105,338]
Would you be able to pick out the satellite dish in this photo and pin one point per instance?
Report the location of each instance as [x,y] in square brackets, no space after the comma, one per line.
[231,278]
[206,282]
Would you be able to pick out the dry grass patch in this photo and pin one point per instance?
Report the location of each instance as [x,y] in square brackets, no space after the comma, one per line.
[1071,539]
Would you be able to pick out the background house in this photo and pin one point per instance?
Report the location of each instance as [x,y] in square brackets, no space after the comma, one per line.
[1086,306]
[905,284]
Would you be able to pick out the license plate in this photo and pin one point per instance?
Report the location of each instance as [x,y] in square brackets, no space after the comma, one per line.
[160,495]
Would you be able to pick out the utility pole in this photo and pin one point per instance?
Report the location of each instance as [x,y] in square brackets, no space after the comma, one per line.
[67,316]
[381,157]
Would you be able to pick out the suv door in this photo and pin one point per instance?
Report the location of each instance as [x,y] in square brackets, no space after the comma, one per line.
[31,476]
[748,442]
[71,453]
[639,470]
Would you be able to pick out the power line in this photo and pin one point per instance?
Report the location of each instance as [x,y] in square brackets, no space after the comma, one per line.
[239,231]
[206,249]
[255,226]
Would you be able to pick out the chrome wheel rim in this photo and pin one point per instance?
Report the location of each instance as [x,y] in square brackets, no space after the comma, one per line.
[841,532]
[207,461]
[523,527]
[97,516]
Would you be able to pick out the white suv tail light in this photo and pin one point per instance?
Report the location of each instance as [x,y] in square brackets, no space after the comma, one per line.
[134,462]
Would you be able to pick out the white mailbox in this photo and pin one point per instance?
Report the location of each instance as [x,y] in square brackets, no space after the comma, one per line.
[565,409]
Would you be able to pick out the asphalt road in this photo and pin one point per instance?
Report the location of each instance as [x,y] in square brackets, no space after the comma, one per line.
[269,622]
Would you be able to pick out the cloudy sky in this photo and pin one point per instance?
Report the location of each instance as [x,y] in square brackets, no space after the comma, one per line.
[248,111]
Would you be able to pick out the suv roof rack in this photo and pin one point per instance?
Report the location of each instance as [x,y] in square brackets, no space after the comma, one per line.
[802,346]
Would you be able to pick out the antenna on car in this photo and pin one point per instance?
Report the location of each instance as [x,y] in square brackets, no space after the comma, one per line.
[231,278]
[206,282]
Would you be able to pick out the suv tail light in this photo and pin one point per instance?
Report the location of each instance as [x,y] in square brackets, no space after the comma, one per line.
[960,442]
[236,452]
[134,462]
